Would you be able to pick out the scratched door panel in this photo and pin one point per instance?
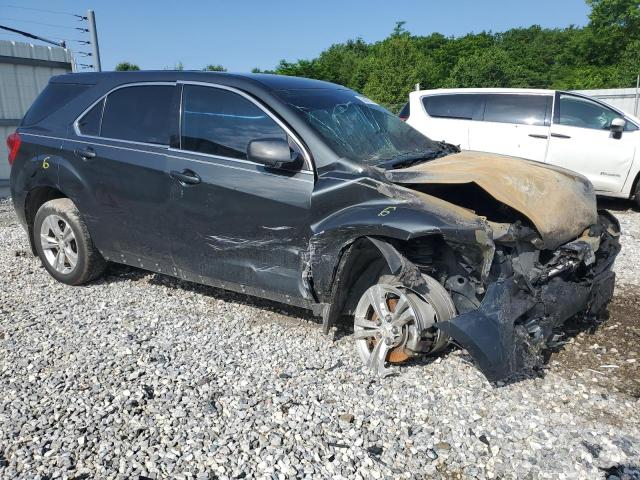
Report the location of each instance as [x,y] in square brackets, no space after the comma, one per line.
[241,224]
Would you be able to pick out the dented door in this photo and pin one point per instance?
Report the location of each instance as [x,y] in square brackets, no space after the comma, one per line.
[238,224]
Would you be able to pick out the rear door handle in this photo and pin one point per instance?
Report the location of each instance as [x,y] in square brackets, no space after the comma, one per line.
[186,177]
[560,135]
[85,153]
[538,135]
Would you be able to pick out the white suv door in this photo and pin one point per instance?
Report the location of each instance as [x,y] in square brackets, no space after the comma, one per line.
[581,141]
[513,124]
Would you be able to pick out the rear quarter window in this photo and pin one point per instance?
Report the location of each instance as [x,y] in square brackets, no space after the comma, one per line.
[52,98]
[405,112]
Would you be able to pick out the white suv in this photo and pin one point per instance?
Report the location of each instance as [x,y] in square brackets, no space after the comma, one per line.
[560,128]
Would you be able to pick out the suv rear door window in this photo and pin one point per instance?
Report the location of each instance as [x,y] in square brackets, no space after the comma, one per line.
[219,122]
[89,124]
[520,109]
[461,106]
[139,114]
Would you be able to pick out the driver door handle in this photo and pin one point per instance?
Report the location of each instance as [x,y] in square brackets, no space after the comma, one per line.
[537,135]
[560,135]
[186,177]
[85,153]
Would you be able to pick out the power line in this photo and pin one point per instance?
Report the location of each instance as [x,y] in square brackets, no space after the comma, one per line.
[34,36]
[41,10]
[38,23]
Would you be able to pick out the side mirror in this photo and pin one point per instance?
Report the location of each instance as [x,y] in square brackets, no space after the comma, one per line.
[273,152]
[617,127]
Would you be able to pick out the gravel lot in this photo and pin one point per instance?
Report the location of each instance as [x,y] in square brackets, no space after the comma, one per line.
[141,375]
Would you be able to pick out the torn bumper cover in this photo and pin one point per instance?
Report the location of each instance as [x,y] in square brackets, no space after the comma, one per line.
[521,309]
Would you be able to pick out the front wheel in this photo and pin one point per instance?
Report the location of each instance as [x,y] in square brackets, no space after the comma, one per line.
[393,323]
[64,245]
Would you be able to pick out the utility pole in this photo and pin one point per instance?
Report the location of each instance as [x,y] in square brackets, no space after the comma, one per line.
[91,17]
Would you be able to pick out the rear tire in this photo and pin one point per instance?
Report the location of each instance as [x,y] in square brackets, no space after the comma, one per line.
[636,196]
[64,245]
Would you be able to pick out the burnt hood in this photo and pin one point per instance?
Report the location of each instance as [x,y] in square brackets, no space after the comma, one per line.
[560,204]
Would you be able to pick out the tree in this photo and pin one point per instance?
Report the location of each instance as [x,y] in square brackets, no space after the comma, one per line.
[627,71]
[394,67]
[214,68]
[492,67]
[126,66]
[613,25]
[603,54]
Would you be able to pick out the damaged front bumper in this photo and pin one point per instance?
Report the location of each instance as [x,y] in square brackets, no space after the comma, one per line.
[531,295]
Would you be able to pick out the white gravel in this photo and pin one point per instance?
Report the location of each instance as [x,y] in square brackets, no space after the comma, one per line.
[627,266]
[141,375]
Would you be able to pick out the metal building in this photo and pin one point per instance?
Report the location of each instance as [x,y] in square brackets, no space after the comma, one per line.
[25,70]
[626,99]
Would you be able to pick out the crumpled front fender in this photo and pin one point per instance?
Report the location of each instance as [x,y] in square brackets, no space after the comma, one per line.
[489,332]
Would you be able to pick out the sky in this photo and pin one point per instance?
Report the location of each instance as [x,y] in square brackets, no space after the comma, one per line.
[241,35]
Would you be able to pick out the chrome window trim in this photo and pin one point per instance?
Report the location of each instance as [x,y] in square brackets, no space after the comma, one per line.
[288,131]
[307,157]
[76,128]
[182,157]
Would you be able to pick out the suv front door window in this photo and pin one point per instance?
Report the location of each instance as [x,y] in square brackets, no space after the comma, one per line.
[236,223]
[581,141]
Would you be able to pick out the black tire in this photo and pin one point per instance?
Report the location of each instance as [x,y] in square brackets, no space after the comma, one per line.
[89,263]
[636,196]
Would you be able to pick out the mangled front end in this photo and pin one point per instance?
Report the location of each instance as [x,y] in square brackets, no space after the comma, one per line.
[531,292]
[547,255]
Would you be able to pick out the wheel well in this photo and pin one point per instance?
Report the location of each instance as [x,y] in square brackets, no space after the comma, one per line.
[35,199]
[634,188]
[362,263]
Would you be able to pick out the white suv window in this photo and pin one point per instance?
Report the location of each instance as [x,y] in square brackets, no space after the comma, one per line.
[584,113]
[465,106]
[520,109]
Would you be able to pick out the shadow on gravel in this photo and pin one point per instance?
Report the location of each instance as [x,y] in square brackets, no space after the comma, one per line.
[617,204]
[123,273]
[620,472]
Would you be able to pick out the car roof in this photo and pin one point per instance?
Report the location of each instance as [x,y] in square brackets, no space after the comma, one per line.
[270,81]
[439,91]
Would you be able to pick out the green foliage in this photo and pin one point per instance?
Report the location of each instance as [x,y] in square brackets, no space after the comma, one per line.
[214,68]
[489,67]
[605,53]
[126,67]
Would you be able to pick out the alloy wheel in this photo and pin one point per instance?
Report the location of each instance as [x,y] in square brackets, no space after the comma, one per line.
[59,244]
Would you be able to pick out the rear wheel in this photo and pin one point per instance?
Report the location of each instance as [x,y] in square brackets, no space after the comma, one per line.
[64,245]
[636,197]
[393,323]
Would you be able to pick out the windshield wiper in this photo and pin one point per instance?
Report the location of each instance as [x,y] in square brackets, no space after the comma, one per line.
[407,159]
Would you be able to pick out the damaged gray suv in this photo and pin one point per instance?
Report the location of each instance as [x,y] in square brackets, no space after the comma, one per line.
[307,193]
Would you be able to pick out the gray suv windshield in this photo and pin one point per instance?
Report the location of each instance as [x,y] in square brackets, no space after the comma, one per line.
[357,128]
